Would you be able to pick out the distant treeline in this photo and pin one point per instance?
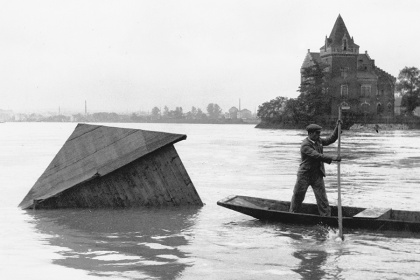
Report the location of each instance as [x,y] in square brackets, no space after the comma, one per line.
[195,115]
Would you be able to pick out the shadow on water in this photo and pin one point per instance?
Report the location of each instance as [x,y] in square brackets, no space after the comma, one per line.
[130,243]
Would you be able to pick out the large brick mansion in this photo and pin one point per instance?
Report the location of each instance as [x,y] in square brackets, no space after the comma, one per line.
[355,80]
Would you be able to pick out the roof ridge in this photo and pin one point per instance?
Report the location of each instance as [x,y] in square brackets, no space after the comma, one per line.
[310,57]
[384,72]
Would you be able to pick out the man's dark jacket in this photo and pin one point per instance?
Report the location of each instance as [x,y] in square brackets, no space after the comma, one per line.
[312,154]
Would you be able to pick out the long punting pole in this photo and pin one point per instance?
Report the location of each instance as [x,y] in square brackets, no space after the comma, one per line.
[340,213]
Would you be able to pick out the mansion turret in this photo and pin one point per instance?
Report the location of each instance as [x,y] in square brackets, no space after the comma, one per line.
[354,80]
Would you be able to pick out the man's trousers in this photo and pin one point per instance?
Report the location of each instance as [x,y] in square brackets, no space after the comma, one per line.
[316,180]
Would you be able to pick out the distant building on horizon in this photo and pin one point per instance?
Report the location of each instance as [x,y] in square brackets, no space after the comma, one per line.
[6,115]
[245,114]
[355,80]
[233,113]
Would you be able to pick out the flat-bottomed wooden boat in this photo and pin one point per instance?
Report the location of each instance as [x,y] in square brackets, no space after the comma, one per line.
[353,217]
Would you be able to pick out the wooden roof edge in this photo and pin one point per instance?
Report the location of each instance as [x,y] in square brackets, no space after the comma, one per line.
[181,137]
[90,128]
[129,158]
[178,138]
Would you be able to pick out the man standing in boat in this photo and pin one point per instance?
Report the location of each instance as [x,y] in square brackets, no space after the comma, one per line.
[311,170]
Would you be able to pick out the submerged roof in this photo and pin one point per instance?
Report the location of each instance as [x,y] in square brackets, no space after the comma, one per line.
[95,150]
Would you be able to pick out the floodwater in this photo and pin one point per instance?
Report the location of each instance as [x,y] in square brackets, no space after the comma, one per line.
[211,242]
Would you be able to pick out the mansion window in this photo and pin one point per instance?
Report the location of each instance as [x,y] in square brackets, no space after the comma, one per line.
[344,105]
[344,90]
[344,72]
[379,109]
[365,90]
[365,106]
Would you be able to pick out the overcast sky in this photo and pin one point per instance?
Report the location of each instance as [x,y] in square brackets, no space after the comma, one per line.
[126,56]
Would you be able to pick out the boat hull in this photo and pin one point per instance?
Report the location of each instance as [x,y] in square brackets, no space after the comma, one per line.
[277,211]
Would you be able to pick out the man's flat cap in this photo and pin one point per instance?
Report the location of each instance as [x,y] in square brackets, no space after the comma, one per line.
[313,127]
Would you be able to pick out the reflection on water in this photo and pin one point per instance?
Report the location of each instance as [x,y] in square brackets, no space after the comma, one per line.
[132,244]
[311,245]
[311,264]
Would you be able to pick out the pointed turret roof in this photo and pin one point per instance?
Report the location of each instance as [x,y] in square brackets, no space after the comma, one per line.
[338,33]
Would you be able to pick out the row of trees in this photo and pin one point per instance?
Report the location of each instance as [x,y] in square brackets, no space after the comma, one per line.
[214,112]
[312,105]
[314,101]
[408,86]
